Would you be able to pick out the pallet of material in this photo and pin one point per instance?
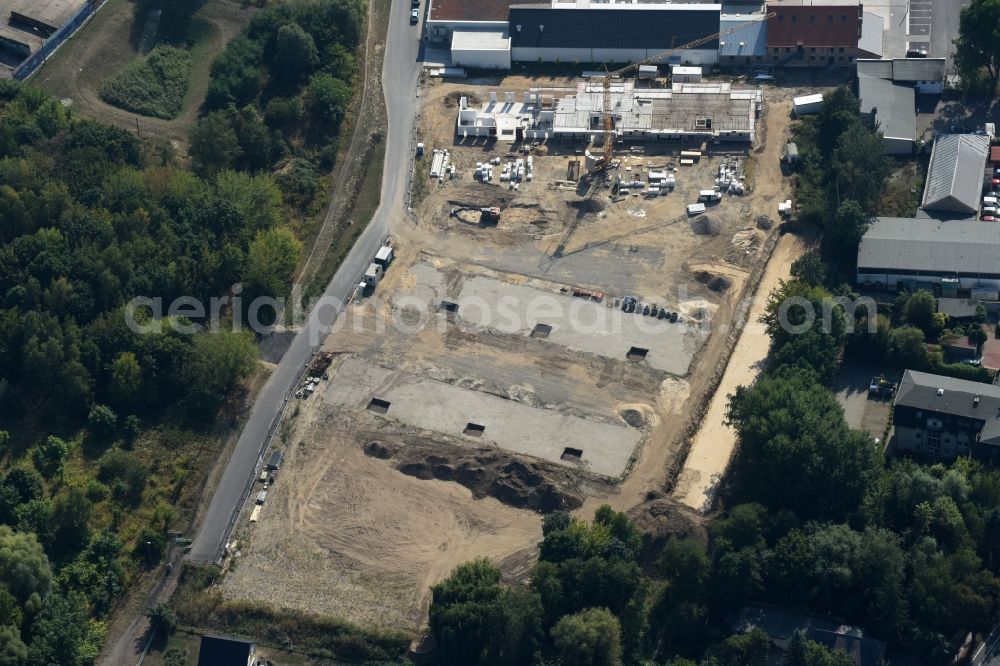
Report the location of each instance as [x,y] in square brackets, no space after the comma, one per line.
[255,514]
[686,161]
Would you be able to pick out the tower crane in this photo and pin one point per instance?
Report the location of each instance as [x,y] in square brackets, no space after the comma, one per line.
[608,116]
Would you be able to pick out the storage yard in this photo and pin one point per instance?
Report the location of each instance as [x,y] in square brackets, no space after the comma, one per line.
[537,343]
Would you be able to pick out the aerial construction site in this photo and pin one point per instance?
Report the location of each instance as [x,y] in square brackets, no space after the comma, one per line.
[552,328]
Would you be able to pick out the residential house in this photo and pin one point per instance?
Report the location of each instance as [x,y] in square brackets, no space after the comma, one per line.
[941,418]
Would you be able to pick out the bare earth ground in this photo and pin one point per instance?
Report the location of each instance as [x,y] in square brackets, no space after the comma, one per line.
[370,509]
[715,441]
[102,48]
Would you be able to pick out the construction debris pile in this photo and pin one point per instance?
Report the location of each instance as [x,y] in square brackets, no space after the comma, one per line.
[511,171]
[730,178]
[441,164]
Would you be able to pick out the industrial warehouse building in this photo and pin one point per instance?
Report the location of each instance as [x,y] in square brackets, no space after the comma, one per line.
[747,44]
[955,174]
[26,24]
[480,50]
[922,253]
[893,107]
[492,34]
[615,33]
[888,91]
[708,110]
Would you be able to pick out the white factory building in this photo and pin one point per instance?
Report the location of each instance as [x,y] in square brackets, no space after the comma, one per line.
[715,111]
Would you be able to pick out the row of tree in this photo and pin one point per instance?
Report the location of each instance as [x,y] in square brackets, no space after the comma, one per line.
[604,595]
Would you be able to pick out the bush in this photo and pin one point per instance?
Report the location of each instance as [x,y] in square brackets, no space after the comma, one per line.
[126,475]
[283,111]
[149,546]
[154,85]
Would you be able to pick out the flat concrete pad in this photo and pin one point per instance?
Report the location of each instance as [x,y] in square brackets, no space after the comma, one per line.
[486,303]
[510,425]
[577,323]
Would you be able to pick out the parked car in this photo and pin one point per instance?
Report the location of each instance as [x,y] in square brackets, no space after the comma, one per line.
[916,53]
[414,16]
[988,218]
[973,361]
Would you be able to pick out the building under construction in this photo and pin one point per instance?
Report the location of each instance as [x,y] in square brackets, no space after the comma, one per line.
[713,111]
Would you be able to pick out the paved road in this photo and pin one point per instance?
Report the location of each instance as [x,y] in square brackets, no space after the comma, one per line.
[988,653]
[944,28]
[931,25]
[399,80]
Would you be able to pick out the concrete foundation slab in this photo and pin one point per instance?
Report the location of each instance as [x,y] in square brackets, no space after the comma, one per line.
[516,427]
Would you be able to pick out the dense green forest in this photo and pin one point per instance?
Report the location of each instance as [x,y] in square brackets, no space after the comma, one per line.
[812,516]
[279,92]
[106,431]
[87,224]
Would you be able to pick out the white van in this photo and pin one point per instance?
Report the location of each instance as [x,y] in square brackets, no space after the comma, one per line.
[709,195]
[990,201]
[696,209]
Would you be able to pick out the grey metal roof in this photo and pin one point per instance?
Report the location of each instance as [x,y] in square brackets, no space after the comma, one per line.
[871,33]
[874,67]
[918,69]
[955,173]
[902,69]
[920,391]
[894,106]
[612,26]
[959,246]
[957,307]
[753,36]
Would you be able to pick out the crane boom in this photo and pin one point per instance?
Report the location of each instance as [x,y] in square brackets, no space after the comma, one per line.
[608,122]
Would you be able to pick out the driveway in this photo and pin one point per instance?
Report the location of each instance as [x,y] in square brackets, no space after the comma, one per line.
[860,411]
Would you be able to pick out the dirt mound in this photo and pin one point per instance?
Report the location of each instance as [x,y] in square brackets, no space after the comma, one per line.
[717,283]
[587,206]
[380,450]
[451,99]
[660,518]
[720,283]
[633,418]
[764,222]
[703,225]
[524,485]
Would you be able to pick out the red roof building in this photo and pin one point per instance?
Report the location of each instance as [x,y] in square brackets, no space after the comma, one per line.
[821,35]
[471,10]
